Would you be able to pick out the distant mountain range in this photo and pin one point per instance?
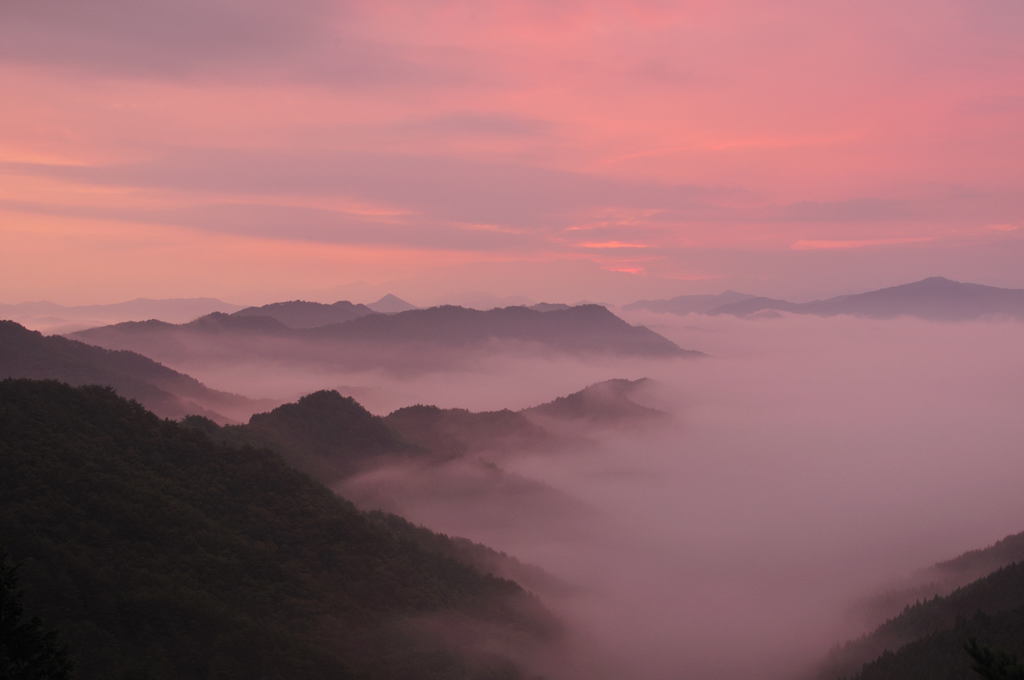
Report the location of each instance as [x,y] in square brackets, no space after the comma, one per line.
[302,314]
[52,317]
[29,354]
[419,339]
[935,298]
[586,328]
[688,304]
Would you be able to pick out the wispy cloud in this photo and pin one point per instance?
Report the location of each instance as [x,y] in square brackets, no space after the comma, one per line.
[806,244]
[612,245]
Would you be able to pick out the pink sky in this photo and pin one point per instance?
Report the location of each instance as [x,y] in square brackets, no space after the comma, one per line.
[562,150]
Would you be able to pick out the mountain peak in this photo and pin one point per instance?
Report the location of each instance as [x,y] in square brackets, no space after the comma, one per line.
[390,304]
[935,281]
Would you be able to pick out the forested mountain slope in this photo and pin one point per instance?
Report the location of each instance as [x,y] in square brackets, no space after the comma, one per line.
[158,553]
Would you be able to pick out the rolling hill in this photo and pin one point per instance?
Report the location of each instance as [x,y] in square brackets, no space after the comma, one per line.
[979,595]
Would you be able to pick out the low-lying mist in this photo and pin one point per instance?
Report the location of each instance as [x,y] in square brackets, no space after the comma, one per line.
[810,463]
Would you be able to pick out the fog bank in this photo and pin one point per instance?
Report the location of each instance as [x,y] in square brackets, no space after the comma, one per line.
[810,462]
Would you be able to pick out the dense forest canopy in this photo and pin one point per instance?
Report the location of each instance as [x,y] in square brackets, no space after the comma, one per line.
[156,552]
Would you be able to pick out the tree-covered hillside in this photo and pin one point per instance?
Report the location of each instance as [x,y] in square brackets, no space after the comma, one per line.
[28,354]
[157,553]
[927,639]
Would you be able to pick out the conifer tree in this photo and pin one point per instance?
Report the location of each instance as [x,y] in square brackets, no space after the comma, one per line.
[27,650]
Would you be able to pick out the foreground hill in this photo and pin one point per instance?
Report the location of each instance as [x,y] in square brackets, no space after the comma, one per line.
[927,640]
[421,339]
[979,594]
[944,577]
[323,434]
[157,553]
[28,354]
[935,298]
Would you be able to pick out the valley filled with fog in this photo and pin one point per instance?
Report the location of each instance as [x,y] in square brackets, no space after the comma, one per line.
[809,464]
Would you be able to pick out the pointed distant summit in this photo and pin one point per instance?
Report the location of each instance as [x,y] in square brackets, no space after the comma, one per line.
[935,281]
[391,304]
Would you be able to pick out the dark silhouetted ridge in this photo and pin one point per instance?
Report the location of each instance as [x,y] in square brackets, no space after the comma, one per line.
[155,552]
[325,434]
[28,354]
[982,597]
[456,432]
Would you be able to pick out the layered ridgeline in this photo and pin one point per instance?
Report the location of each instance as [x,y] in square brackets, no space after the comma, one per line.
[431,463]
[330,436]
[976,596]
[158,553]
[303,314]
[168,393]
[689,304]
[410,340]
[941,579]
[935,298]
[54,318]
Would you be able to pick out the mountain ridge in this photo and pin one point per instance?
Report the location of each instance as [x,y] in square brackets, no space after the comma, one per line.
[30,354]
[935,298]
[419,339]
[156,552]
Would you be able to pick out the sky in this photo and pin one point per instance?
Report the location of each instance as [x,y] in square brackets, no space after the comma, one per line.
[542,149]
